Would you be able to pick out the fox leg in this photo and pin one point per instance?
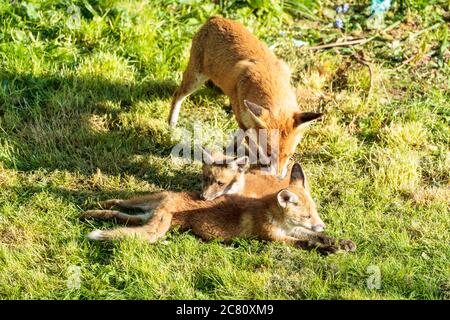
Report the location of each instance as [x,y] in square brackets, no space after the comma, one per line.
[120,216]
[311,244]
[144,203]
[153,230]
[325,246]
[320,237]
[134,203]
[117,233]
[324,240]
[192,80]
[158,226]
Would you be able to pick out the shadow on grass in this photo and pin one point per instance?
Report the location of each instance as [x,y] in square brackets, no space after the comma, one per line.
[85,124]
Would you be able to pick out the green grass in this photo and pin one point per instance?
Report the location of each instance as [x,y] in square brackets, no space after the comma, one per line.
[83,108]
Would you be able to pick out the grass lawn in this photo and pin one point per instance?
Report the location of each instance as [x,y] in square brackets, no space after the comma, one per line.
[85,92]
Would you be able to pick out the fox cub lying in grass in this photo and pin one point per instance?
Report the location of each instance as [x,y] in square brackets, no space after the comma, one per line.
[288,216]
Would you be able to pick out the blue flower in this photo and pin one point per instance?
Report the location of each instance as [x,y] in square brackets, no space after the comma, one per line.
[339,9]
[345,7]
[339,23]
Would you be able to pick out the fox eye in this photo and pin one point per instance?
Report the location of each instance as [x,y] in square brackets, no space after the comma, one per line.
[308,217]
[220,183]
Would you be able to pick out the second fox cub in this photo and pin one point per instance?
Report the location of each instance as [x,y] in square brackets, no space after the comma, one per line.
[288,216]
[222,177]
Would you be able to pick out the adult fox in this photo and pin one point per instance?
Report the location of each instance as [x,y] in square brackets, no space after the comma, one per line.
[287,216]
[257,83]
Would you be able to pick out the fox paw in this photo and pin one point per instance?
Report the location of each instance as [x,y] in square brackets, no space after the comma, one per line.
[96,235]
[347,245]
[327,249]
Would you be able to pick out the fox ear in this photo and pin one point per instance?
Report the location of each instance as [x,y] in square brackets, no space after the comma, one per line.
[285,197]
[298,176]
[207,157]
[240,163]
[256,112]
[304,118]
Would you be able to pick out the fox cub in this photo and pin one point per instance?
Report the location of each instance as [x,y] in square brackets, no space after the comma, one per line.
[257,83]
[287,216]
[221,177]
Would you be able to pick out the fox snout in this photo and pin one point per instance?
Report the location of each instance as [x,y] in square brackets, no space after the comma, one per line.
[204,196]
[282,170]
[319,227]
[282,174]
[277,171]
[207,197]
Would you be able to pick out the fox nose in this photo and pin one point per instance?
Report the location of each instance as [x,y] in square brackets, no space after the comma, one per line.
[282,173]
[319,227]
[208,197]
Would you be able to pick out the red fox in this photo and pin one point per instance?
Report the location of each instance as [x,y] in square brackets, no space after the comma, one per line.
[287,216]
[221,177]
[258,84]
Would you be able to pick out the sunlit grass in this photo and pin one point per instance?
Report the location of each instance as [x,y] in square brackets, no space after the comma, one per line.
[83,108]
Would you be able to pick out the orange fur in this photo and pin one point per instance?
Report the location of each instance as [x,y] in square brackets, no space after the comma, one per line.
[257,83]
[234,178]
[288,216]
